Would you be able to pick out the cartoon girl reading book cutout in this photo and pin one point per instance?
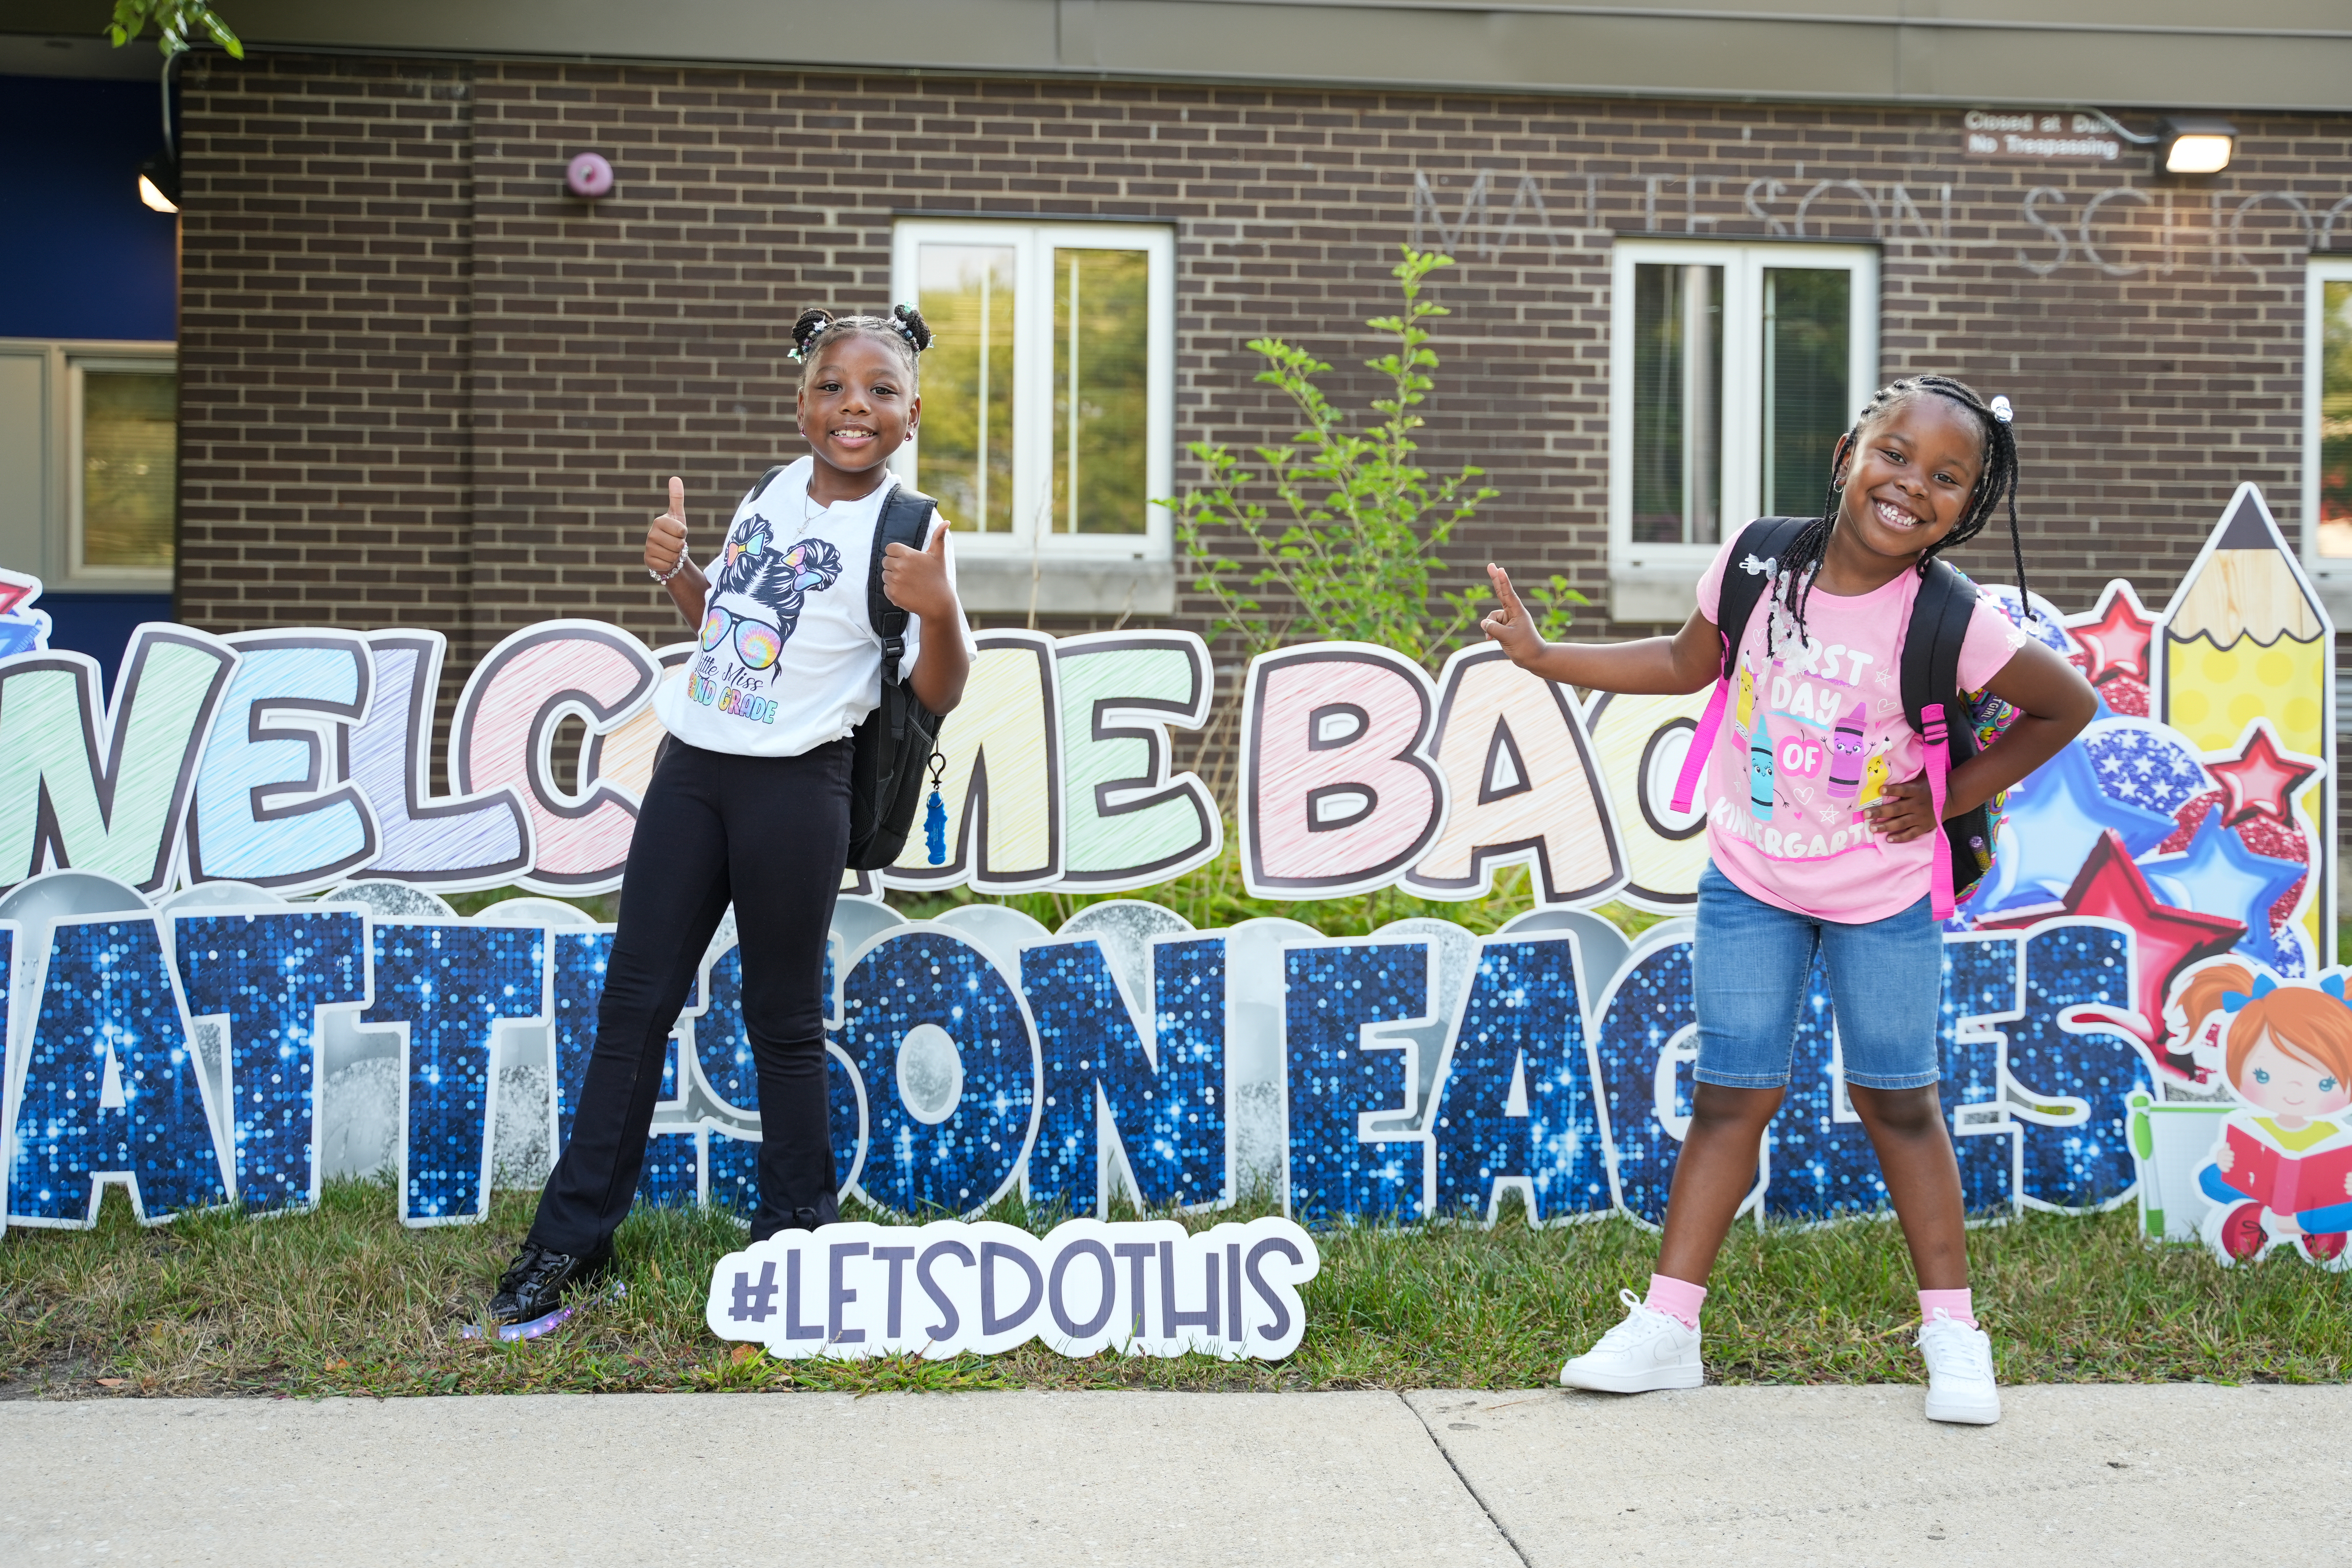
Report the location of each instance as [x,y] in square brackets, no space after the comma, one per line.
[2283,1170]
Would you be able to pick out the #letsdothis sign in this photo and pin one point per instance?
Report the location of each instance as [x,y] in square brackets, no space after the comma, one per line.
[2014,134]
[1144,1287]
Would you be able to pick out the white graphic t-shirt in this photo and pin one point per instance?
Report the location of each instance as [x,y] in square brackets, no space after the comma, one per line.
[787,659]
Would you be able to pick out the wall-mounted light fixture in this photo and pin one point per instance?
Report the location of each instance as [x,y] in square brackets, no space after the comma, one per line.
[2184,143]
[159,183]
[2195,144]
[159,177]
[588,176]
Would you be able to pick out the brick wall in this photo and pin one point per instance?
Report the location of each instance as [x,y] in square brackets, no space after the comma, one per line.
[325,338]
[426,386]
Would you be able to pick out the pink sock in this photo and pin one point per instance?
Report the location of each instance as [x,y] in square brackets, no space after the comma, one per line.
[1954,1304]
[1678,1299]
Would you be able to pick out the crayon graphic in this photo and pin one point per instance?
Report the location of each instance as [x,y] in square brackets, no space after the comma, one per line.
[2245,639]
[1874,782]
[1760,776]
[1845,751]
[1745,713]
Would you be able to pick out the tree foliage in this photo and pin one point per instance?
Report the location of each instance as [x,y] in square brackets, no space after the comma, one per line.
[176,21]
[1363,526]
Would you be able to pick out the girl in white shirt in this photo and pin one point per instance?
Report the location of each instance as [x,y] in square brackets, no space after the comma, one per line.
[749,801]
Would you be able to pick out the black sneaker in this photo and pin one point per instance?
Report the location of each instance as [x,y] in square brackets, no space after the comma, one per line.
[534,1283]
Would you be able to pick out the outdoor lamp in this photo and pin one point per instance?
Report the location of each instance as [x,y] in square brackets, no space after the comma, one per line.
[2195,144]
[159,183]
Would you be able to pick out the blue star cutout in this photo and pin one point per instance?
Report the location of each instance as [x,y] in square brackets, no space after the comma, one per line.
[2218,874]
[2053,820]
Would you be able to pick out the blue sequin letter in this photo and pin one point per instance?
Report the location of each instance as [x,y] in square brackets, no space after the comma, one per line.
[2077,1154]
[1331,996]
[451,985]
[1646,1012]
[963,1161]
[1168,1115]
[1515,1100]
[112,1083]
[268,975]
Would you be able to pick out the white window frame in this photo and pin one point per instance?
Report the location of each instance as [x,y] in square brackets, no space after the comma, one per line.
[1033,246]
[1743,378]
[2331,574]
[64,362]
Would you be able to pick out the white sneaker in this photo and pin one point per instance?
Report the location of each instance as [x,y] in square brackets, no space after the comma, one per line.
[1960,1384]
[1649,1350]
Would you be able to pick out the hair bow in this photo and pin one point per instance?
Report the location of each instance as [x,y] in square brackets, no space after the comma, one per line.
[2334,986]
[2263,986]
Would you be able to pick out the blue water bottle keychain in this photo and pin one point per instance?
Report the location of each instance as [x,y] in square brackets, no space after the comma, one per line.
[935,815]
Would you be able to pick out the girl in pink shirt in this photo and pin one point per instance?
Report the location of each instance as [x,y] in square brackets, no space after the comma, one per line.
[1822,837]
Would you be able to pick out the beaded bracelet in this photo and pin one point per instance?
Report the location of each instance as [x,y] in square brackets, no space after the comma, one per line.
[675,567]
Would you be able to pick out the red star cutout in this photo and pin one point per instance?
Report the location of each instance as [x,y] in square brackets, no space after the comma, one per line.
[13,593]
[2260,780]
[2114,636]
[2166,940]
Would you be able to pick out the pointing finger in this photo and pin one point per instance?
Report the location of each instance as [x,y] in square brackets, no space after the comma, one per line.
[1503,589]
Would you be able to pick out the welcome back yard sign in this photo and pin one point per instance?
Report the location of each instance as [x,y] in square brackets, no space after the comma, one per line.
[229,971]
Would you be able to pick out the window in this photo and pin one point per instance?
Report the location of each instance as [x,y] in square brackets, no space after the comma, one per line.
[1733,371]
[1048,421]
[2327,417]
[89,463]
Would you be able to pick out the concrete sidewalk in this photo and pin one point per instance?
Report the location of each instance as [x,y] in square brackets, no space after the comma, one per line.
[2074,1475]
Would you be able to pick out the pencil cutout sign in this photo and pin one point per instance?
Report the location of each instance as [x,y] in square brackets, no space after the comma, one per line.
[230,971]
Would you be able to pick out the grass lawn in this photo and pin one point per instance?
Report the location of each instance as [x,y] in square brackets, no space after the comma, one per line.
[344,1300]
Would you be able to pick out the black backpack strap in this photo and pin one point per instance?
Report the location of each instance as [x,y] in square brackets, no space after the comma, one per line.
[1766,539]
[1931,654]
[756,492]
[905,520]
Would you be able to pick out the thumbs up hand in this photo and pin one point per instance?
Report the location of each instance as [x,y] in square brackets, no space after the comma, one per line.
[917,580]
[666,535]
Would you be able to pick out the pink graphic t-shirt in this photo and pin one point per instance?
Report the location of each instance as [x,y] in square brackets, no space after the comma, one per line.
[1814,733]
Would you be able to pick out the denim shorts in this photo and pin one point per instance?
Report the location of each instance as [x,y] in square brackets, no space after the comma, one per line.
[1749,971]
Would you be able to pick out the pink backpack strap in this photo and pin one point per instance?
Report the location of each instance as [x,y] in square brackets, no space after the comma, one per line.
[1702,742]
[1939,763]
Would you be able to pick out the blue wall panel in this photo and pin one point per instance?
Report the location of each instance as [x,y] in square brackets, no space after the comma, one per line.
[88,259]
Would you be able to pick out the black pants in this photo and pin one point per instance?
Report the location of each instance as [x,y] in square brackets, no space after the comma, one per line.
[769,834]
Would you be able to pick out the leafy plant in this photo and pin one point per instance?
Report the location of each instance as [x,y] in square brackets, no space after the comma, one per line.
[175,21]
[1363,524]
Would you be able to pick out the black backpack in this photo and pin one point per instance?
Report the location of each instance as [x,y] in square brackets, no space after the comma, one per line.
[1932,699]
[893,746]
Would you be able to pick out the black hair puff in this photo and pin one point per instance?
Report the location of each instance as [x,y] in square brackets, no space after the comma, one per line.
[810,327]
[910,323]
[904,326]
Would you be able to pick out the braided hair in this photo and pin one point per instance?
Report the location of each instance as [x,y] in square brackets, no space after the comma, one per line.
[1996,482]
[903,329]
